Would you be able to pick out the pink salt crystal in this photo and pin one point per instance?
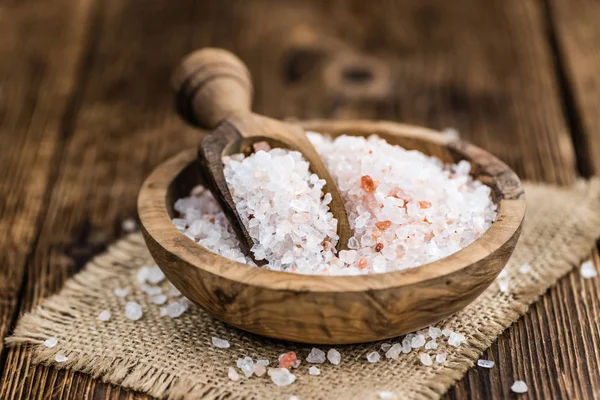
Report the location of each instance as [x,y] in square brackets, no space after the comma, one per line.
[383,225]
[232,374]
[367,184]
[287,360]
[425,359]
[259,370]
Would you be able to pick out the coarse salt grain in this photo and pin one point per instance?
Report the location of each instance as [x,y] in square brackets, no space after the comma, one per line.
[519,387]
[121,292]
[155,275]
[50,342]
[60,358]
[104,315]
[440,358]
[588,270]
[281,376]
[245,365]
[314,370]
[159,299]
[525,268]
[503,285]
[456,339]
[133,311]
[431,345]
[417,341]
[385,346]
[485,363]
[176,309]
[394,351]
[385,395]
[232,374]
[316,356]
[425,359]
[373,357]
[334,356]
[401,218]
[221,343]
[129,225]
[263,362]
[258,369]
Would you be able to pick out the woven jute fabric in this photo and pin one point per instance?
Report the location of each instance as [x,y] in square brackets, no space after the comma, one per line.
[174,358]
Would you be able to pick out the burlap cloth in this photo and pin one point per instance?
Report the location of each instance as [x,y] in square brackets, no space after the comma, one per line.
[174,358]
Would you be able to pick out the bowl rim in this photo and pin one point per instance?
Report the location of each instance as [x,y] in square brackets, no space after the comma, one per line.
[156,222]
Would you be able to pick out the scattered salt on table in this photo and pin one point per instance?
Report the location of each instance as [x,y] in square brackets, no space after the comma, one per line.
[281,376]
[260,362]
[60,358]
[316,356]
[456,339]
[159,299]
[485,363]
[104,315]
[133,311]
[50,342]
[334,356]
[394,351]
[245,365]
[222,344]
[314,370]
[519,387]
[425,359]
[440,358]
[232,374]
[385,346]
[175,309]
[588,270]
[417,341]
[431,345]
[373,357]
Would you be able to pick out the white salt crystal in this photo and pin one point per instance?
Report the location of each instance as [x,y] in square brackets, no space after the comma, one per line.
[525,268]
[142,275]
[281,376]
[297,364]
[316,356]
[163,311]
[425,359]
[314,370]
[104,315]
[232,374]
[293,398]
[222,344]
[133,311]
[129,225]
[50,342]
[334,356]
[159,299]
[588,270]
[173,291]
[503,285]
[485,363]
[385,346]
[259,362]
[417,341]
[385,395]
[245,365]
[394,351]
[456,339]
[60,358]
[519,387]
[434,332]
[121,292]
[446,332]
[503,274]
[151,290]
[373,357]
[440,358]
[155,275]
[431,345]
[175,309]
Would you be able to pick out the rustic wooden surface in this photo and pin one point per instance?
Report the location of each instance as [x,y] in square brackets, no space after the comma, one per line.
[86,112]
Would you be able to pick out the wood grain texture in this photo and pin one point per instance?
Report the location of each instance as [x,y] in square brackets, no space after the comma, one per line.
[334,309]
[483,67]
[574,25]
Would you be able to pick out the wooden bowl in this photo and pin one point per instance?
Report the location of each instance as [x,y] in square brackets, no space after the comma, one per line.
[334,309]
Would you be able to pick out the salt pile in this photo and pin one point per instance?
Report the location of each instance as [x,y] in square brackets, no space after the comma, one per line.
[406,209]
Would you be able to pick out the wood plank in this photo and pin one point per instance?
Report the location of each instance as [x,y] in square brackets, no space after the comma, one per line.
[577,34]
[483,68]
[36,99]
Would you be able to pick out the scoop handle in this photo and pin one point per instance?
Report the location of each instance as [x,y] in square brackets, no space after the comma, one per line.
[212,85]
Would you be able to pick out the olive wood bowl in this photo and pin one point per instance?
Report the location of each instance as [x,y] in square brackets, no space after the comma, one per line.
[334,309]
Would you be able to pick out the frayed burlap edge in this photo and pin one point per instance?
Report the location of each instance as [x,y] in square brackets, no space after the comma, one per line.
[61,310]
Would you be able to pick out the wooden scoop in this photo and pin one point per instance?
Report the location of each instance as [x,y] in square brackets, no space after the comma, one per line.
[214,91]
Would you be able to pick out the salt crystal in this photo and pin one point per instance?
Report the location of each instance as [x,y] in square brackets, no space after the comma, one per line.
[485,363]
[385,395]
[258,369]
[334,356]
[222,344]
[129,225]
[425,359]
[245,365]
[394,351]
[446,332]
[50,342]
[316,356]
[151,290]
[519,387]
[232,374]
[155,275]
[281,376]
[417,341]
[293,398]
[431,345]
[588,270]
[297,364]
[104,315]
[133,311]
[173,291]
[503,274]
[60,358]
[314,370]
[121,292]
[440,358]
[260,362]
[159,299]
[385,346]
[525,268]
[456,339]
[175,309]
[503,285]
[373,357]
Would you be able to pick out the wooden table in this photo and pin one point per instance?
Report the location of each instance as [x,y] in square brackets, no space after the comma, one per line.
[86,112]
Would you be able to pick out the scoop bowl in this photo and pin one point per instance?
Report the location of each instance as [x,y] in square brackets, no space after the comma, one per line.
[334,309]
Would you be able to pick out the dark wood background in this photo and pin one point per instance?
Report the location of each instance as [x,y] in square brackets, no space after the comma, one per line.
[86,112]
